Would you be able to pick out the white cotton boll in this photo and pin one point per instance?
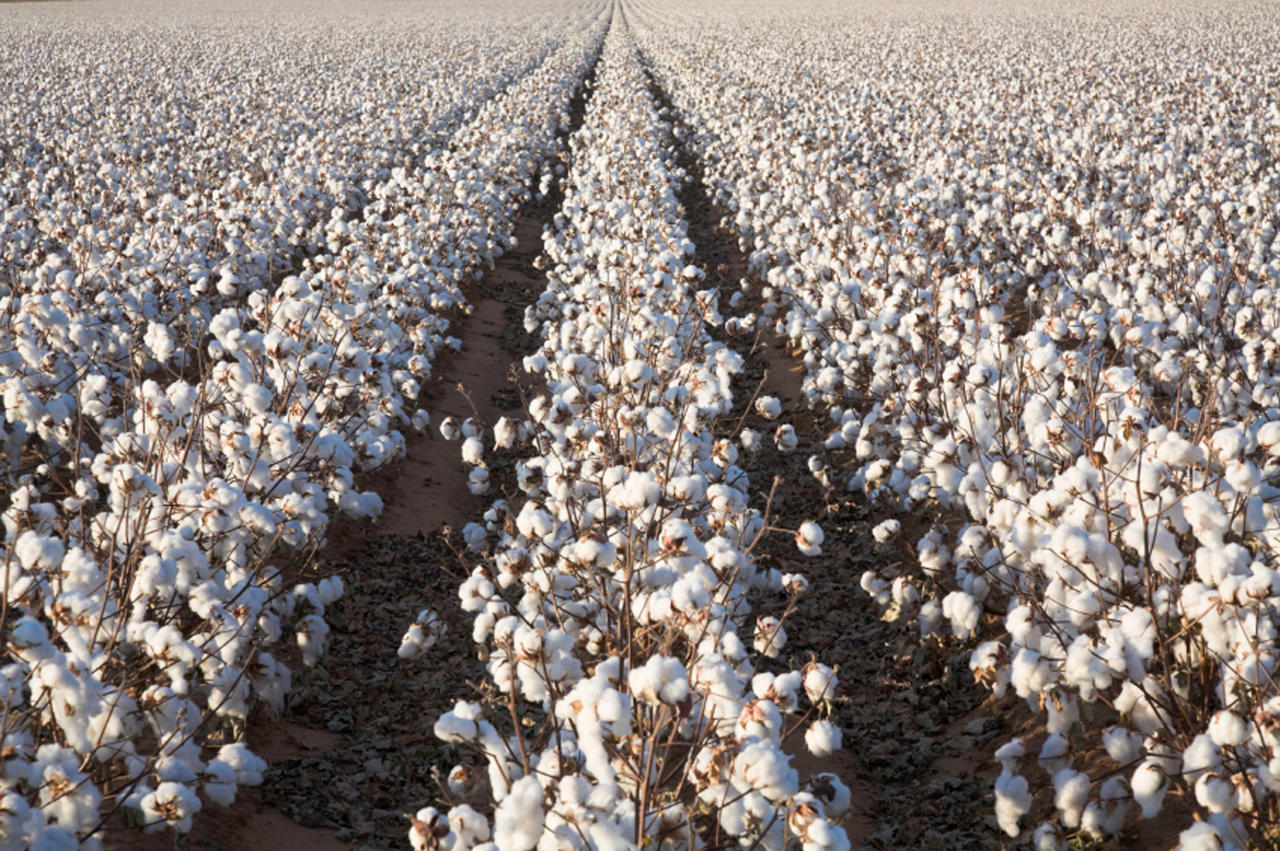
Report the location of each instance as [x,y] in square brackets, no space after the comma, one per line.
[220,784]
[886,530]
[1009,753]
[662,679]
[765,768]
[473,451]
[518,821]
[257,398]
[785,438]
[749,439]
[963,611]
[770,637]
[427,829]
[1071,793]
[1054,753]
[468,825]
[421,420]
[661,423]
[1122,745]
[820,683]
[173,804]
[312,632]
[421,635]
[769,407]
[1013,801]
[823,738]
[478,481]
[1216,794]
[462,780]
[1200,756]
[248,766]
[831,790]
[1149,785]
[809,538]
[1228,729]
[505,432]
[449,428]
[1203,836]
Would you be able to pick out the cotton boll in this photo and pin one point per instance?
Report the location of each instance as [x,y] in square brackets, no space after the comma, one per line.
[833,793]
[1071,793]
[1215,793]
[1203,836]
[785,438]
[820,683]
[173,804]
[769,407]
[1149,785]
[248,766]
[822,738]
[421,635]
[473,451]
[661,679]
[1122,745]
[1013,801]
[809,538]
[930,618]
[220,783]
[505,432]
[770,637]
[1054,753]
[428,829]
[1228,729]
[1200,756]
[519,819]
[886,530]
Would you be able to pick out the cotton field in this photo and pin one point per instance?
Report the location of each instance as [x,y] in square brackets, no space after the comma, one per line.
[646,329]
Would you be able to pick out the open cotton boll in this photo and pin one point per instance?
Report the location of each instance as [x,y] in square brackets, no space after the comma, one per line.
[421,635]
[769,407]
[173,804]
[822,738]
[519,819]
[1013,801]
[785,438]
[220,783]
[248,766]
[662,679]
[1204,836]
[1200,756]
[820,683]
[765,768]
[428,830]
[473,451]
[770,637]
[1122,745]
[886,530]
[505,432]
[1071,793]
[1149,784]
[809,538]
[1226,728]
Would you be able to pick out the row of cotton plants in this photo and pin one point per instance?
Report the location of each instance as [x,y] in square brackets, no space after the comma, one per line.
[637,651]
[155,477]
[1034,282]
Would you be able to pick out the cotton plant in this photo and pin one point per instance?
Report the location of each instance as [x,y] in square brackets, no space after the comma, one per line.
[620,600]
